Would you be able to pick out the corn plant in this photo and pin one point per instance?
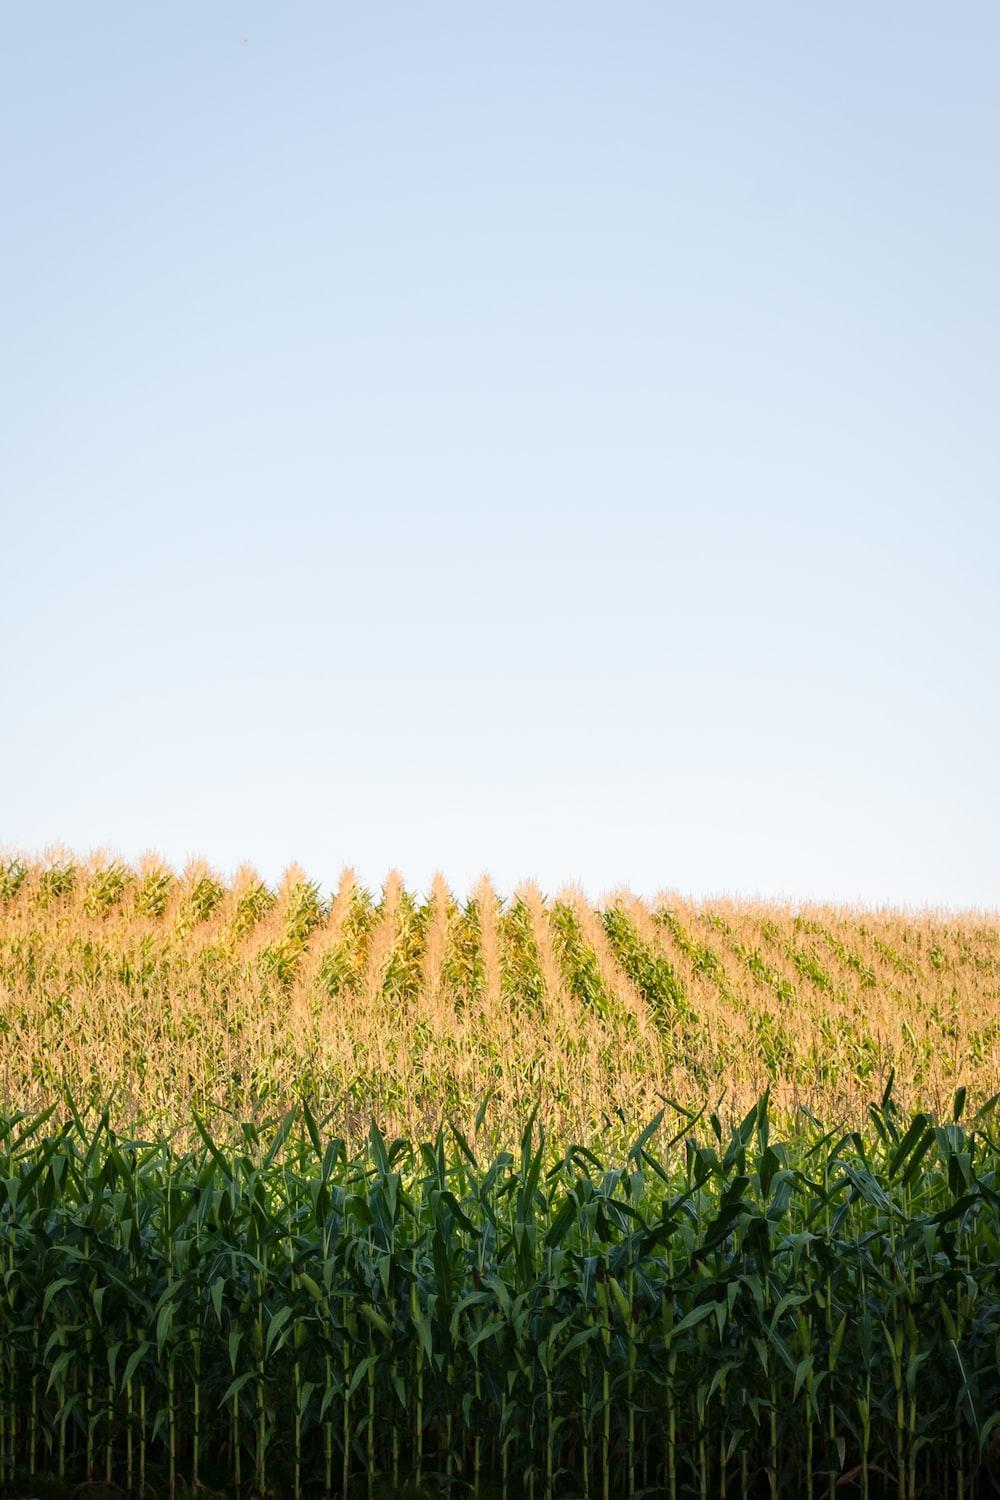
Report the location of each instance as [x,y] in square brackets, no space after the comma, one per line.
[173,993]
[715,1312]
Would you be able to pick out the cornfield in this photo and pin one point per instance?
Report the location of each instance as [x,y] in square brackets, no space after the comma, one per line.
[165,993]
[715,1314]
[366,1195]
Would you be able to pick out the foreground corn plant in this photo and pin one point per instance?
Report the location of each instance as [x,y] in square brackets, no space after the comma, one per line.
[711,1316]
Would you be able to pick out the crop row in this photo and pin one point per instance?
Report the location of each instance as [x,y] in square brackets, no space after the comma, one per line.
[719,1313]
[179,992]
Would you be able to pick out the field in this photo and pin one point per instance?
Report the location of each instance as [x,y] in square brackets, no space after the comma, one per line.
[363,1196]
[163,992]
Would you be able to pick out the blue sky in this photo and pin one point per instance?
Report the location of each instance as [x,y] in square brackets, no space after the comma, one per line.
[553,439]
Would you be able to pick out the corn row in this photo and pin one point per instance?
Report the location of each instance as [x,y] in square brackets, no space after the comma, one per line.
[174,992]
[712,1314]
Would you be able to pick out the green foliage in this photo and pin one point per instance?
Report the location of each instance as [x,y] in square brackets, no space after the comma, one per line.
[202,899]
[55,883]
[710,1314]
[342,966]
[153,892]
[404,975]
[522,981]
[809,965]
[464,974]
[764,973]
[703,959]
[303,913]
[13,874]
[106,888]
[776,1046]
[653,976]
[252,906]
[578,960]
[892,956]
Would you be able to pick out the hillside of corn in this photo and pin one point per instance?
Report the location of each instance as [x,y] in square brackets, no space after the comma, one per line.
[381,1194]
[158,992]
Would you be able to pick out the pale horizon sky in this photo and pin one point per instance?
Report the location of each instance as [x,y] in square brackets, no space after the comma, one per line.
[554,440]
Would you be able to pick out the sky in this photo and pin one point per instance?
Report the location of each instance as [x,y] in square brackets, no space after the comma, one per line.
[556,440]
